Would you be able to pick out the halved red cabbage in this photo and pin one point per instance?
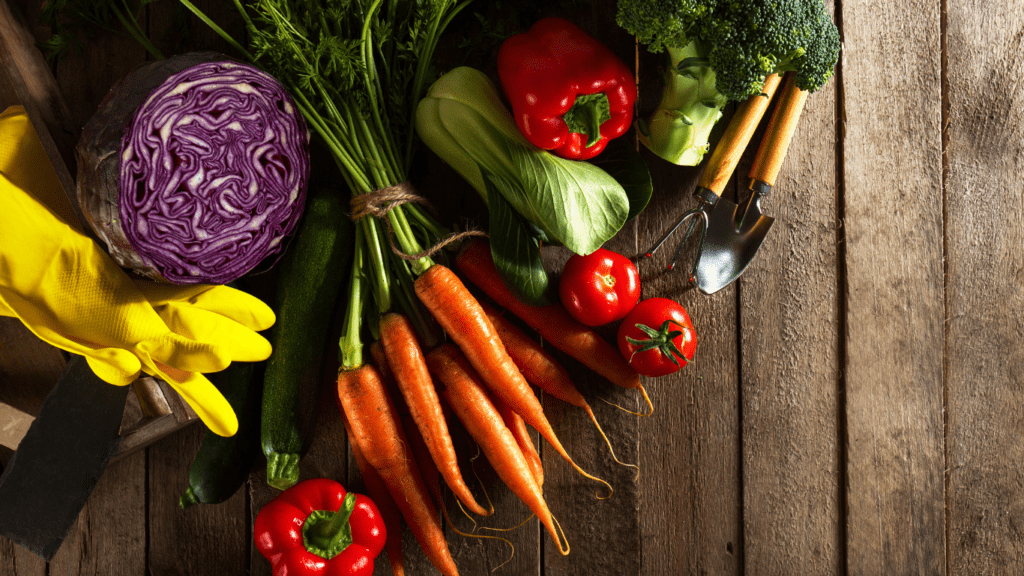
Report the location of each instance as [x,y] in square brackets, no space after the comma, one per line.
[194,169]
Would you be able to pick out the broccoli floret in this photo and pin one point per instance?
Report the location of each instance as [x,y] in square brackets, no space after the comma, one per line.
[722,50]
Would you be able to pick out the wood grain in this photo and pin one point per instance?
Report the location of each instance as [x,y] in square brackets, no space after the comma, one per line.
[894,317]
[985,286]
[690,486]
[180,541]
[604,534]
[789,325]
[110,535]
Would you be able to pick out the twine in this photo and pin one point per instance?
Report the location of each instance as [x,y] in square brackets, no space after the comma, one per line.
[383,200]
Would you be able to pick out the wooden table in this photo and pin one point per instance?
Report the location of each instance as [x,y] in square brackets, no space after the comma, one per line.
[856,407]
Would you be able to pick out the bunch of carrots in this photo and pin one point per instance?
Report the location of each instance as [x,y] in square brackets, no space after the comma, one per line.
[394,408]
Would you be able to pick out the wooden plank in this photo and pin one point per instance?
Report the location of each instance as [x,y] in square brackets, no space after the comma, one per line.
[894,317]
[789,318]
[985,286]
[17,560]
[690,514]
[110,534]
[202,539]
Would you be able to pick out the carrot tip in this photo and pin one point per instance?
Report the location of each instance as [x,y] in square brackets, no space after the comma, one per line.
[650,405]
[562,551]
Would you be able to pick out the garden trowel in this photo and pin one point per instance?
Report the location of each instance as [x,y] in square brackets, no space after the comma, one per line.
[718,172]
[736,232]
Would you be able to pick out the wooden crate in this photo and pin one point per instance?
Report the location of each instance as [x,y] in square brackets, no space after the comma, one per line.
[30,367]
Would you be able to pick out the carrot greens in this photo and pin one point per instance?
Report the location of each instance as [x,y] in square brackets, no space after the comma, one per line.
[357,69]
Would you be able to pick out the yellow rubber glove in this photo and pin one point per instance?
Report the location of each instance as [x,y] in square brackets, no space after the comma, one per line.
[70,293]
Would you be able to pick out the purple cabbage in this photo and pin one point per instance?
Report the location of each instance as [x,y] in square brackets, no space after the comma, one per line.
[194,169]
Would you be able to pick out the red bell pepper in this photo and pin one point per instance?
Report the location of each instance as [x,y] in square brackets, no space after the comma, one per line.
[569,93]
[315,527]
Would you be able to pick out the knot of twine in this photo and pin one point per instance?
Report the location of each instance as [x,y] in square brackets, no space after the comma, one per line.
[383,200]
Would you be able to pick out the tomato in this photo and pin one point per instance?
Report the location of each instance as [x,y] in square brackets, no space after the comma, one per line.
[657,337]
[599,288]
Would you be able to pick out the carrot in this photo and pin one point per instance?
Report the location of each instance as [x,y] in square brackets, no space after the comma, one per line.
[473,406]
[421,453]
[462,317]
[515,423]
[552,322]
[541,369]
[377,431]
[409,367]
[380,360]
[377,491]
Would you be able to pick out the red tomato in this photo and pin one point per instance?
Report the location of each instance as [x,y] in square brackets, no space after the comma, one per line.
[657,337]
[599,288]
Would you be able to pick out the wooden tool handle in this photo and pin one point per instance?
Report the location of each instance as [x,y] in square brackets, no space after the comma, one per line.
[779,133]
[737,135]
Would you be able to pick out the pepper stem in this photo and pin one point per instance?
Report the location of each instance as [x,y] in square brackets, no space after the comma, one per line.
[326,533]
[587,114]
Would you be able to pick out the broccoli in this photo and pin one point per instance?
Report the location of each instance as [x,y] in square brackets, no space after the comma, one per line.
[720,51]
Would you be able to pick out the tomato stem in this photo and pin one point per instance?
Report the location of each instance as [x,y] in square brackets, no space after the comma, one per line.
[662,340]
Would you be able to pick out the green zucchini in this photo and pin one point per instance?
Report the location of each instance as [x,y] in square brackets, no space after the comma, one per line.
[222,464]
[311,276]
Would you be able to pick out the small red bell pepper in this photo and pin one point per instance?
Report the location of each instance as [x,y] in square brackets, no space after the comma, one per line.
[569,93]
[316,527]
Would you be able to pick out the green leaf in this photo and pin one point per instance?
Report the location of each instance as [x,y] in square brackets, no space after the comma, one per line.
[516,252]
[573,203]
[621,160]
[576,202]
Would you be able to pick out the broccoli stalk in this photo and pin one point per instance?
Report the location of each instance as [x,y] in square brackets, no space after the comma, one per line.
[690,106]
[722,51]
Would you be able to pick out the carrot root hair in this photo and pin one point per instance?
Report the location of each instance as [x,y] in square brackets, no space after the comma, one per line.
[608,442]
[647,400]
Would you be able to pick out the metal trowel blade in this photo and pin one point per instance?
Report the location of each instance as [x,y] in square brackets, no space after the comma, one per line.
[734,235]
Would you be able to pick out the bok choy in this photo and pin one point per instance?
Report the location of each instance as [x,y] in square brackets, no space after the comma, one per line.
[531,194]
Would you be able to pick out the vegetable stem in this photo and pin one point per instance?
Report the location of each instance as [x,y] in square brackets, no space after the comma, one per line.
[350,344]
[134,30]
[220,31]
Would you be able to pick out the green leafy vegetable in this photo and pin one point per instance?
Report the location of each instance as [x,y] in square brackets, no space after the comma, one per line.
[574,203]
[516,251]
[623,162]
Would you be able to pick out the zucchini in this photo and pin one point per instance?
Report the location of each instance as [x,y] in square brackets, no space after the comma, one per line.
[311,277]
[222,464]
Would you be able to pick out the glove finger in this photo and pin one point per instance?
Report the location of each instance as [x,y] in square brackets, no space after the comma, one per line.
[234,304]
[184,354]
[114,365]
[209,404]
[239,342]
